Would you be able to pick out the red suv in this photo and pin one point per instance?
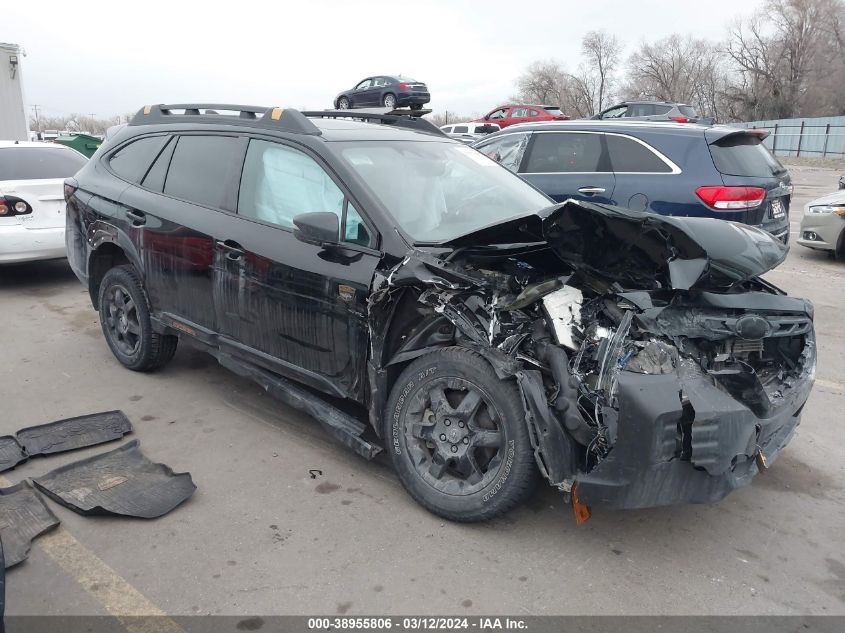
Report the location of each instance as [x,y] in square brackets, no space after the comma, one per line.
[507,115]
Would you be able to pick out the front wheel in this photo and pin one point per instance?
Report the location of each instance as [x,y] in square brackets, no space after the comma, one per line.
[343,103]
[457,437]
[125,319]
[389,101]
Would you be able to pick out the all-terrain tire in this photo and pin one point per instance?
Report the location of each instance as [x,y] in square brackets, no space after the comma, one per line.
[124,307]
[413,410]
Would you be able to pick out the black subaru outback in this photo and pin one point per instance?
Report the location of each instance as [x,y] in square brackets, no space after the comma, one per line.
[486,335]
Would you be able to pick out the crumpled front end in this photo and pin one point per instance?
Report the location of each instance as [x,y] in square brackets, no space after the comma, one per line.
[652,372]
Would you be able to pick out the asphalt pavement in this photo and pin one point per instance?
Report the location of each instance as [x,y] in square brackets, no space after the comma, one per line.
[286,521]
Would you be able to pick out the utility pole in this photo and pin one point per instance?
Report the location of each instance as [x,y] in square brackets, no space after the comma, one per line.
[37,120]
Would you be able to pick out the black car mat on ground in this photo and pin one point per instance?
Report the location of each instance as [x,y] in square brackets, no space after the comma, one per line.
[62,435]
[23,516]
[73,433]
[11,453]
[120,482]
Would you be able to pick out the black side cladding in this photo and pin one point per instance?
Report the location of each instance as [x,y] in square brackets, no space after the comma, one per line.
[73,433]
[23,516]
[121,482]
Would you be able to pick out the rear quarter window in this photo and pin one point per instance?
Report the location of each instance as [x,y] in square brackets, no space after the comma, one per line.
[34,163]
[745,155]
[131,161]
[627,155]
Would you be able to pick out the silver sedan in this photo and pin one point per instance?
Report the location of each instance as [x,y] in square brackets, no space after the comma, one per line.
[823,225]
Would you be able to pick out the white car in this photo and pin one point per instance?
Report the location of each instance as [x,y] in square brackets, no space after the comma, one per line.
[469,132]
[32,203]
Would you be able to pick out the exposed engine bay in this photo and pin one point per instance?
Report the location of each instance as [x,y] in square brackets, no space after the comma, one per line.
[654,365]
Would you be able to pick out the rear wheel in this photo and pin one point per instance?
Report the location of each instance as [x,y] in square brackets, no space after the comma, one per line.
[343,103]
[389,101]
[125,319]
[457,436]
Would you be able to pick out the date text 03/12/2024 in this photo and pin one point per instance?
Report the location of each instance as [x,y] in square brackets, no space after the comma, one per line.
[418,623]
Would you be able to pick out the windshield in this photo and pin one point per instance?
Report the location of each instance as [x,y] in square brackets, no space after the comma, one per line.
[745,155]
[33,163]
[439,191]
[688,111]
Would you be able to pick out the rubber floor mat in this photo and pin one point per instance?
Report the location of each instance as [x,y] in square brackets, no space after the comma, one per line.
[122,482]
[73,433]
[11,453]
[23,516]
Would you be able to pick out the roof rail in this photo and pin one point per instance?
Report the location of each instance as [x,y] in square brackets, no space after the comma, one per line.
[409,119]
[285,119]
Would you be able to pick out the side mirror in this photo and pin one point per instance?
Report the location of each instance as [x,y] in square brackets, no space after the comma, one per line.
[486,117]
[321,228]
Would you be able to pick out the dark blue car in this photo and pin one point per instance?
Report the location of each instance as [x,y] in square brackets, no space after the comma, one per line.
[667,168]
[384,90]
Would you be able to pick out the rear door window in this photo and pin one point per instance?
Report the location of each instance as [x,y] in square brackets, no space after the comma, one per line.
[154,179]
[627,155]
[33,163]
[131,161]
[745,155]
[200,170]
[557,152]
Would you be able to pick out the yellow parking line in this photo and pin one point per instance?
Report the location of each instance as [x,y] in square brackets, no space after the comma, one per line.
[131,608]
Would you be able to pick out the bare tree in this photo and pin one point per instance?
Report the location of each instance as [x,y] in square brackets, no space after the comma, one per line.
[785,55]
[601,53]
[678,68]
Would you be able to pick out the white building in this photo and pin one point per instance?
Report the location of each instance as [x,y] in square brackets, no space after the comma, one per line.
[13,120]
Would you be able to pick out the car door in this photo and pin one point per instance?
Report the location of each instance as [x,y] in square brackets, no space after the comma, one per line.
[568,165]
[363,93]
[643,175]
[498,116]
[177,205]
[296,308]
[518,115]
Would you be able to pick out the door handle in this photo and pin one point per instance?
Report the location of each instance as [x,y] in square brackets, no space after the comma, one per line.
[589,191]
[137,218]
[234,251]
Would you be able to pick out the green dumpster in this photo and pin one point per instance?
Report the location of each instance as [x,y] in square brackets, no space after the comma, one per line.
[82,143]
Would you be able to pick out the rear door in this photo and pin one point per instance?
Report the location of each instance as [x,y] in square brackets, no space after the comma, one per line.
[177,208]
[643,175]
[35,175]
[568,165]
[296,308]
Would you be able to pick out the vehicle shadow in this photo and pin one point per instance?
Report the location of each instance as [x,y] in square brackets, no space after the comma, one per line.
[35,276]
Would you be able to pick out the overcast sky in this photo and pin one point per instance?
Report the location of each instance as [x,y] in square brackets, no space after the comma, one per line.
[111,58]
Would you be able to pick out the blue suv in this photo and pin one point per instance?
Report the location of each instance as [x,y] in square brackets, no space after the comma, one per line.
[666,168]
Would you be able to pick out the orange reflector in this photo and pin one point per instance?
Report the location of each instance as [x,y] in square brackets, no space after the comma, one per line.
[841,213]
[276,114]
[147,109]
[582,512]
[761,461]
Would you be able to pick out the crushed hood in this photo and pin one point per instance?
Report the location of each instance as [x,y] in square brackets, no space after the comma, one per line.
[638,249]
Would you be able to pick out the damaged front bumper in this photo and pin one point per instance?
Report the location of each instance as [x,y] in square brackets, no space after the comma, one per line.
[683,439]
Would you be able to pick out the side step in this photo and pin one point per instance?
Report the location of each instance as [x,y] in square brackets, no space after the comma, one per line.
[341,425]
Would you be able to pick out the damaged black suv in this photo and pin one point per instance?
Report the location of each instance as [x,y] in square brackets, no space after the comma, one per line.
[489,335]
